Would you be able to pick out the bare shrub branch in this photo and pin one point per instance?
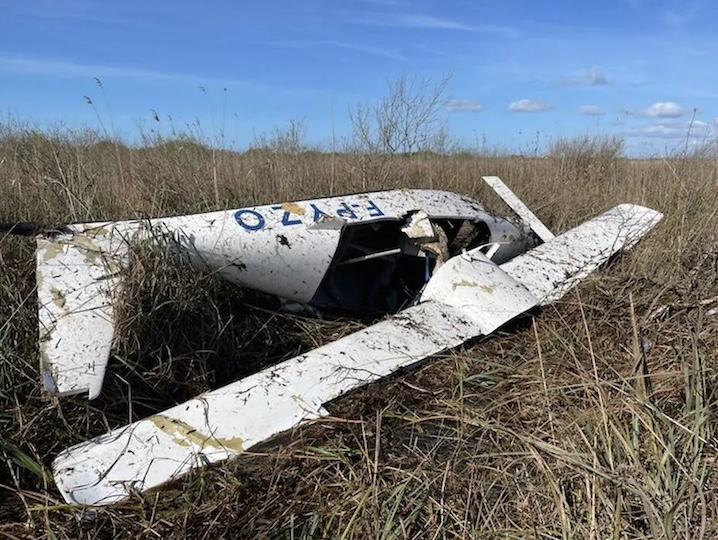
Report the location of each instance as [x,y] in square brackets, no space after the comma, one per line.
[406,120]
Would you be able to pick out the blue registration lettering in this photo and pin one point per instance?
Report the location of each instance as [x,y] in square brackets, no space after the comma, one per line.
[241,217]
[317,213]
[345,211]
[374,210]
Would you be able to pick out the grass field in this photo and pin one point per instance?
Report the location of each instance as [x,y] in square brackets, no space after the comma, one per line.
[597,419]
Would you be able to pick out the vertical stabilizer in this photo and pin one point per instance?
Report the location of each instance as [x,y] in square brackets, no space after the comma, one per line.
[78,277]
[523,211]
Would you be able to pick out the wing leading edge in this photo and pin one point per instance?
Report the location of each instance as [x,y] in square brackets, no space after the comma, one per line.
[471,297]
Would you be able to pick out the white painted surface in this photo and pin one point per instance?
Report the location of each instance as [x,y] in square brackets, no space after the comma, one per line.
[284,249]
[551,269]
[468,296]
[77,285]
[474,285]
[517,205]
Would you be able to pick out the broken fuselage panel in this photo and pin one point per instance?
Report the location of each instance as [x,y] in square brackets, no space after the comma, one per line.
[363,254]
[352,253]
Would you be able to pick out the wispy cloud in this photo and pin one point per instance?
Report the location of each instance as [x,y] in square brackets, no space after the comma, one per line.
[78,10]
[530,105]
[376,51]
[430,22]
[20,65]
[592,77]
[591,110]
[662,109]
[391,54]
[462,105]
[679,19]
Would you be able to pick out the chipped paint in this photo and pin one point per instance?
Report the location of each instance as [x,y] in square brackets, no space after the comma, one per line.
[185,435]
[293,208]
[58,298]
[75,313]
[86,264]
[92,249]
[52,250]
[419,227]
[99,230]
[153,451]
[467,283]
[551,269]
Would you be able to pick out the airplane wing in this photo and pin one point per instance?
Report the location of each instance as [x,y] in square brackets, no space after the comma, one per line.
[551,269]
[468,296]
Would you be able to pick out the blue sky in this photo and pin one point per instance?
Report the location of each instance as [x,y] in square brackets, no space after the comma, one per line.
[521,70]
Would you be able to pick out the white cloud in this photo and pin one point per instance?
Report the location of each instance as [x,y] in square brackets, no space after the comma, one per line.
[462,105]
[675,130]
[662,109]
[591,110]
[592,77]
[659,131]
[530,105]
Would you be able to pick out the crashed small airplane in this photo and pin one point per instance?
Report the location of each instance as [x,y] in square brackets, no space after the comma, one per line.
[439,266]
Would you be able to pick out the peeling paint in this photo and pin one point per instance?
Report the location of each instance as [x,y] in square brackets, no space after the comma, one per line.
[97,231]
[185,435]
[52,250]
[293,208]
[58,298]
[92,250]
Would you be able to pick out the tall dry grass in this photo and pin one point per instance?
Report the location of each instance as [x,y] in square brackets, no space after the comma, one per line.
[596,419]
